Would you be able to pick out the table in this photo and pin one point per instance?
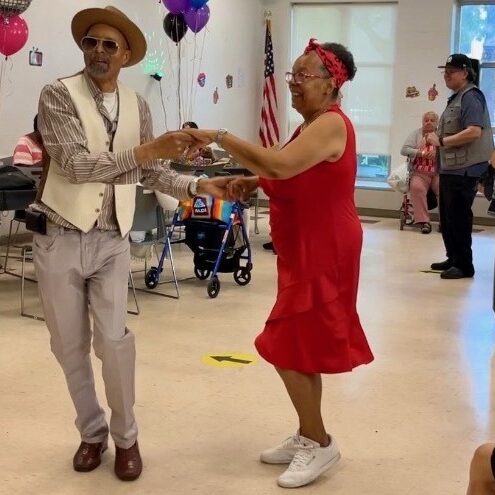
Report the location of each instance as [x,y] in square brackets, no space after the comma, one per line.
[211,169]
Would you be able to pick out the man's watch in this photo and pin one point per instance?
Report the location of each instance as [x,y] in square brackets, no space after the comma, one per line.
[193,186]
[440,140]
[220,134]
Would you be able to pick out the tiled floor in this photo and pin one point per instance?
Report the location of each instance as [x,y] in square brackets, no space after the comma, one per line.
[406,424]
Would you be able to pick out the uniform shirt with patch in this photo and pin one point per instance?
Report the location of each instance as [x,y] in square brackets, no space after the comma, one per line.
[472,110]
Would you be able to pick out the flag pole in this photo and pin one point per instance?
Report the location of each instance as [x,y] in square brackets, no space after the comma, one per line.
[269,129]
[268,19]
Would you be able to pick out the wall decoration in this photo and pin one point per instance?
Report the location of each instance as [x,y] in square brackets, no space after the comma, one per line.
[197,19]
[186,16]
[412,92]
[433,93]
[155,60]
[216,96]
[14,33]
[35,57]
[175,26]
[10,8]
[229,81]
[195,13]
[197,4]
[202,79]
[175,6]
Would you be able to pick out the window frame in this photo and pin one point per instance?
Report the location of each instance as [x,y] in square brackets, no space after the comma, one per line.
[457,35]
[296,4]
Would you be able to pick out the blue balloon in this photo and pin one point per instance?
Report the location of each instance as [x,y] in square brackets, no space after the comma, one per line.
[197,4]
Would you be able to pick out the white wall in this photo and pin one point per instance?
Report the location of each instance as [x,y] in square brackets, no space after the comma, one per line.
[233,44]
[238,108]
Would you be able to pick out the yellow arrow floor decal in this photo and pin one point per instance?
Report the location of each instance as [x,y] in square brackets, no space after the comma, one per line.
[229,359]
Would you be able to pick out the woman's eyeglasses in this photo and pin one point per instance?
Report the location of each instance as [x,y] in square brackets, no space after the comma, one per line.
[89,44]
[300,77]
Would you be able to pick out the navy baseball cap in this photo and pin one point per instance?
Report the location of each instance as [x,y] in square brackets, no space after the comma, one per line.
[459,61]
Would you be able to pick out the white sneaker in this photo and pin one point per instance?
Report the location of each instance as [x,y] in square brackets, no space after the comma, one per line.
[285,452]
[308,463]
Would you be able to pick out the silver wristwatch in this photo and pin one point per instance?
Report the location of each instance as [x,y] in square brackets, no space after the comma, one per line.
[220,134]
[193,186]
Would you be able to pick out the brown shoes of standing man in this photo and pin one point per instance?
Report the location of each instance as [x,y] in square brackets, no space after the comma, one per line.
[128,463]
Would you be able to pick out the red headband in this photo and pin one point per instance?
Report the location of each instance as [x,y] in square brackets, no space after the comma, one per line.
[333,64]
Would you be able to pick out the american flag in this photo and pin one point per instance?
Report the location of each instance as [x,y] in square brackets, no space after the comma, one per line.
[269,132]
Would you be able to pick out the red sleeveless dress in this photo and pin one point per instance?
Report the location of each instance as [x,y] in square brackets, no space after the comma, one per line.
[314,326]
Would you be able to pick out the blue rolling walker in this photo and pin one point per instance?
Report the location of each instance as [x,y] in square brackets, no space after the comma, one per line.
[218,247]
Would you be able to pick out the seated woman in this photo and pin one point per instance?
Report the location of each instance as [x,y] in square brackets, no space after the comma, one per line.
[29,149]
[424,169]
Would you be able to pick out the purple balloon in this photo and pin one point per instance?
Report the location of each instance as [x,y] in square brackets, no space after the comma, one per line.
[176,6]
[197,19]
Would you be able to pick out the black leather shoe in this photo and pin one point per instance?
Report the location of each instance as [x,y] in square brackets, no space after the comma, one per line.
[443,265]
[268,246]
[453,273]
[88,456]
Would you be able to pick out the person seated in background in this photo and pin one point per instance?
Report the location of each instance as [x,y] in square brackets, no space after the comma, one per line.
[423,168]
[482,471]
[205,153]
[29,149]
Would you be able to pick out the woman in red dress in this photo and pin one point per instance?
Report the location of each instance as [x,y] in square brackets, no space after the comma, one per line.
[314,327]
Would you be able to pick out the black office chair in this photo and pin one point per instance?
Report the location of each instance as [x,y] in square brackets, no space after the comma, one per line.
[19,219]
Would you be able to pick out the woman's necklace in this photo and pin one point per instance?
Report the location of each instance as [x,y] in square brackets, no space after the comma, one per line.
[304,125]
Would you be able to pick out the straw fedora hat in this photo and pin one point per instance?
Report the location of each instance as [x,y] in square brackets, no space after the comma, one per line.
[111,16]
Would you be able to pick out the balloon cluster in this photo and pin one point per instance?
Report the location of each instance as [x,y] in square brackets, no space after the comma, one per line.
[14,31]
[184,15]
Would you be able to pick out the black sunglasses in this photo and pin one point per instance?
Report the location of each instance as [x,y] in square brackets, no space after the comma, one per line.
[89,44]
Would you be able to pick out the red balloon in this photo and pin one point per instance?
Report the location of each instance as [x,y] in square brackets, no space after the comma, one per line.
[14,34]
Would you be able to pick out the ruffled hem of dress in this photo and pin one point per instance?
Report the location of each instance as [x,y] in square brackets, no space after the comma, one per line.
[328,339]
[302,368]
[302,296]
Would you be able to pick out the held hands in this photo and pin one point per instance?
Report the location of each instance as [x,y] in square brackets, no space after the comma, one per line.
[229,188]
[202,137]
[241,188]
[175,145]
[217,186]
